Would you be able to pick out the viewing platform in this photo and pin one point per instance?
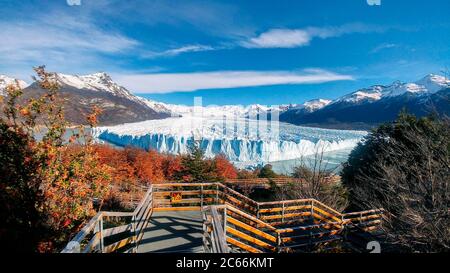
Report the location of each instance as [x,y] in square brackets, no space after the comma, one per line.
[213,218]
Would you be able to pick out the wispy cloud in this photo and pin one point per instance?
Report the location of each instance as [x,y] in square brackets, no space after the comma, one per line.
[382,47]
[274,38]
[72,42]
[186,82]
[178,51]
[291,38]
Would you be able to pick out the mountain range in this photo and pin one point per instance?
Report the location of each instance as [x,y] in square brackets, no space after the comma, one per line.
[361,109]
[368,107]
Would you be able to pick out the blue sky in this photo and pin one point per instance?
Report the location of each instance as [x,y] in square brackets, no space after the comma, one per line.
[229,52]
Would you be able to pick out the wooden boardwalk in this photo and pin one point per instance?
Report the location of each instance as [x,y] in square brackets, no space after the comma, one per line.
[173,231]
[213,218]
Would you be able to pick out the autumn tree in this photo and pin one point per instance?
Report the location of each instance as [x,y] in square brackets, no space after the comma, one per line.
[172,166]
[21,197]
[52,185]
[223,168]
[149,166]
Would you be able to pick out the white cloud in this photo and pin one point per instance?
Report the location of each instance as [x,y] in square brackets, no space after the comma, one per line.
[285,38]
[177,51]
[382,47]
[290,38]
[42,41]
[186,82]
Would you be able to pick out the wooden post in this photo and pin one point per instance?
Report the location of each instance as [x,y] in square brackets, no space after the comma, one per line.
[201,196]
[100,230]
[282,214]
[134,231]
[312,210]
[225,221]
[257,210]
[217,194]
[278,241]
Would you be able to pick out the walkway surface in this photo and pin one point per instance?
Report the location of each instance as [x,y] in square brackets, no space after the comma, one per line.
[173,231]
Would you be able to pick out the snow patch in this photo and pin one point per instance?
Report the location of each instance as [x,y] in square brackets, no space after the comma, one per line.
[5,81]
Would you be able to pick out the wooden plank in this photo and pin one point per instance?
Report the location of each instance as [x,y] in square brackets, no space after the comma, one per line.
[252,229]
[270,210]
[286,215]
[116,230]
[93,244]
[307,227]
[250,239]
[87,228]
[193,200]
[326,220]
[117,214]
[147,195]
[329,215]
[229,190]
[243,246]
[218,232]
[313,235]
[289,222]
[285,202]
[178,209]
[182,184]
[316,202]
[196,192]
[250,217]
[117,245]
[238,203]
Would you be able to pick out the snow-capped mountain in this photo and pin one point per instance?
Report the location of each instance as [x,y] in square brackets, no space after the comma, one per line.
[426,86]
[82,93]
[250,111]
[373,93]
[370,106]
[314,105]
[434,83]
[100,82]
[6,81]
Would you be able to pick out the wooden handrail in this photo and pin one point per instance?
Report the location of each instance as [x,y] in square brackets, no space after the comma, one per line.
[214,197]
[96,222]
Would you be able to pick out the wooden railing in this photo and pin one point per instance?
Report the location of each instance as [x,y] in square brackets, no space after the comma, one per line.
[229,218]
[265,182]
[94,237]
[214,239]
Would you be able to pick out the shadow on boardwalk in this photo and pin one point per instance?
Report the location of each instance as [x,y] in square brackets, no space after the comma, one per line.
[173,232]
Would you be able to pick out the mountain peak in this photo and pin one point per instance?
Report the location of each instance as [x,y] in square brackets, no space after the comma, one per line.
[434,82]
[316,104]
[6,80]
[99,81]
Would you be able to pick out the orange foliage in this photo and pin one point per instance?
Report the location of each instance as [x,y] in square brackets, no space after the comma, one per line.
[171,166]
[224,169]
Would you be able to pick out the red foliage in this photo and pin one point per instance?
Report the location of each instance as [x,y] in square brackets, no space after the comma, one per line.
[171,165]
[224,169]
[149,166]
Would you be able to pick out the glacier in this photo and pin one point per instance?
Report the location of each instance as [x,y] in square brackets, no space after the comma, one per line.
[244,142]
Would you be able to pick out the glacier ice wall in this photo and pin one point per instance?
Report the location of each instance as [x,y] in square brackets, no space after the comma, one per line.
[169,136]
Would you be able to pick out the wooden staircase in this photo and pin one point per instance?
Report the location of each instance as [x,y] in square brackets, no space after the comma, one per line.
[232,222]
